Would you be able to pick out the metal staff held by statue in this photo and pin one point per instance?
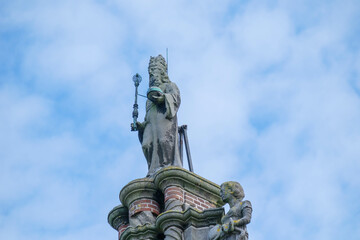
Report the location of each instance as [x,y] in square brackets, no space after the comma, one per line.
[137,79]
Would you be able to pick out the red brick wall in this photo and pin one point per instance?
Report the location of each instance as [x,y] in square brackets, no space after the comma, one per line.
[174,192]
[122,228]
[143,205]
[197,202]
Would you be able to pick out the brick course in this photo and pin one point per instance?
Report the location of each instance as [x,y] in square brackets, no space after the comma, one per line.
[144,205]
[174,192]
[199,203]
[122,228]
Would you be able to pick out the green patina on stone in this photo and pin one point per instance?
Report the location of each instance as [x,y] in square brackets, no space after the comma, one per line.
[117,216]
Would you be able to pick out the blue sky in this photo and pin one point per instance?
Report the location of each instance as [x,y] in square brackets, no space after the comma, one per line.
[270,93]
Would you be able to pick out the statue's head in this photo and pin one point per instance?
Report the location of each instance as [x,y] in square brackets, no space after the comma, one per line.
[157,71]
[230,190]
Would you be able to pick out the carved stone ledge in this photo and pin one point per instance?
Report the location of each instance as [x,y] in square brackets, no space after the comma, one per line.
[118,216]
[143,188]
[189,181]
[190,217]
[144,232]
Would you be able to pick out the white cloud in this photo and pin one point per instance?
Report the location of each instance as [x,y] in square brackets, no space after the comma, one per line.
[265,93]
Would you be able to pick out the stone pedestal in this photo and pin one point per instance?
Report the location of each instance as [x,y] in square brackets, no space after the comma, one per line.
[174,204]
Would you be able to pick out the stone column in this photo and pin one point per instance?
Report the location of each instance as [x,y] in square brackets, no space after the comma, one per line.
[118,218]
[143,211]
[141,198]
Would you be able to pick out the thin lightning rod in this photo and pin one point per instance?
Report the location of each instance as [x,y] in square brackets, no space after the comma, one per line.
[167,61]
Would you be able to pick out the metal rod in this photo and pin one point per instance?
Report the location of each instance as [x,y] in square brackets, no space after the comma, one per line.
[142,95]
[135,113]
[187,147]
[181,135]
[167,60]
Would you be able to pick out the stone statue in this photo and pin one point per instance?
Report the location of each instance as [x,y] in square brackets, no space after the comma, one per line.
[234,222]
[158,134]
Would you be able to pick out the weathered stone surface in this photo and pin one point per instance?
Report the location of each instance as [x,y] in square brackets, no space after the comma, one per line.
[145,232]
[141,197]
[138,189]
[173,223]
[173,203]
[118,216]
[233,224]
[193,233]
[190,182]
[170,206]
[174,233]
[158,134]
[142,218]
[190,217]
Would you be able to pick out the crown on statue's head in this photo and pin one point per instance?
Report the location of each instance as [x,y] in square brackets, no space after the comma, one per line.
[158,61]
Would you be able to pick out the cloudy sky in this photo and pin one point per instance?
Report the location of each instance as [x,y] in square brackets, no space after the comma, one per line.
[270,94]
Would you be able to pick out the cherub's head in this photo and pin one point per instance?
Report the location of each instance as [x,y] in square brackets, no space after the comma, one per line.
[230,190]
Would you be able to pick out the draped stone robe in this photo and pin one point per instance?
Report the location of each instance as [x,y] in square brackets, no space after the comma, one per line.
[159,138]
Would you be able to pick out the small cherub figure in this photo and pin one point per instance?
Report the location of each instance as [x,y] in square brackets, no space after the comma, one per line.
[235,220]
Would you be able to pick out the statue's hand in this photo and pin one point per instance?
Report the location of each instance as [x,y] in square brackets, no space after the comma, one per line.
[225,227]
[140,126]
[157,98]
[228,227]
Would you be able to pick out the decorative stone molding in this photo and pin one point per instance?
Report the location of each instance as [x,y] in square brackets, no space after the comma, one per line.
[141,196]
[143,188]
[190,182]
[118,216]
[118,219]
[190,217]
[174,204]
[145,232]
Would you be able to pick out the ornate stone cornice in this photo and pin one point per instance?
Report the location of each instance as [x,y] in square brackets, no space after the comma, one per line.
[138,189]
[197,195]
[191,182]
[117,216]
[146,231]
[189,217]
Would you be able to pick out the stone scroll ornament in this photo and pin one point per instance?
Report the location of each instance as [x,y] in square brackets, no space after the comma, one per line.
[158,134]
[233,223]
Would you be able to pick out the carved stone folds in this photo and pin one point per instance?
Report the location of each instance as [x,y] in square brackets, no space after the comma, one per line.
[174,204]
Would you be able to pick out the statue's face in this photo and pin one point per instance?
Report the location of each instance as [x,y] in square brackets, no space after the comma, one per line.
[155,76]
[225,193]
